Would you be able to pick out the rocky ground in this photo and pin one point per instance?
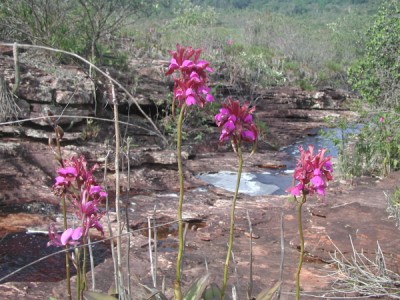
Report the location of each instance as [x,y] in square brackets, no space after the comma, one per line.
[352,210]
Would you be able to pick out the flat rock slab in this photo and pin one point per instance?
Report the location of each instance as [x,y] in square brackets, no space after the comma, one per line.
[328,226]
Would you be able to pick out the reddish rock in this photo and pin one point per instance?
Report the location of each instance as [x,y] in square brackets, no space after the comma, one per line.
[27,200]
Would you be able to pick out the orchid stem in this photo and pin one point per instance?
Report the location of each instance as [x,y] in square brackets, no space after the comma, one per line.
[78,273]
[64,212]
[232,221]
[83,277]
[67,266]
[301,237]
[177,284]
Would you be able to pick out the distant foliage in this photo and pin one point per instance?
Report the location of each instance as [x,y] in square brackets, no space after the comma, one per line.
[87,28]
[188,14]
[376,76]
[39,22]
[291,7]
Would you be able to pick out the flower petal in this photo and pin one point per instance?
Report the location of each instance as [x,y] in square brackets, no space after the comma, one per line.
[190,100]
[66,236]
[248,135]
[77,233]
[317,181]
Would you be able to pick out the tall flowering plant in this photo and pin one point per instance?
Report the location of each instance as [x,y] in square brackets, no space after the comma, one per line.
[76,183]
[312,172]
[236,122]
[190,82]
[237,125]
[190,88]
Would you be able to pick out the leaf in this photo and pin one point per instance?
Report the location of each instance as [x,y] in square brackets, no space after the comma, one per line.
[97,296]
[212,292]
[152,293]
[268,293]
[195,292]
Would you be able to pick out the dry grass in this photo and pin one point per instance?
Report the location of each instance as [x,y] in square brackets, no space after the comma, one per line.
[364,276]
[8,108]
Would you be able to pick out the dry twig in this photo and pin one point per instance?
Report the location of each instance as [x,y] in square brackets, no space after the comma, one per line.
[363,276]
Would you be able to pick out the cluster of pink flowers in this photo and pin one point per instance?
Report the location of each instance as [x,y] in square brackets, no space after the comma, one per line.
[190,85]
[77,183]
[236,122]
[312,172]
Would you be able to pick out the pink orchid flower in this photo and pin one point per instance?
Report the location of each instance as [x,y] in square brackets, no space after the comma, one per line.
[76,181]
[190,86]
[236,122]
[312,172]
[68,237]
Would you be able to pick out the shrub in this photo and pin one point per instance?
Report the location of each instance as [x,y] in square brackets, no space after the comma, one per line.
[376,75]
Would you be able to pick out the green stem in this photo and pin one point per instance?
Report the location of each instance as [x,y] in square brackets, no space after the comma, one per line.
[232,223]
[177,284]
[78,273]
[83,277]
[64,208]
[301,237]
[67,266]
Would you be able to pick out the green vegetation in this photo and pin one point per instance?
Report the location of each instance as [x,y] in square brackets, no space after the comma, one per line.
[254,43]
[251,44]
[82,27]
[376,77]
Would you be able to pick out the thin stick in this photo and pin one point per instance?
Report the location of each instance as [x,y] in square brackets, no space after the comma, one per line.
[109,222]
[117,188]
[155,246]
[16,68]
[150,251]
[250,287]
[234,293]
[282,258]
[128,247]
[74,117]
[91,263]
[235,269]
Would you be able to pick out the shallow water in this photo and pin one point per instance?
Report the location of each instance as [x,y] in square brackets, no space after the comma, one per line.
[275,182]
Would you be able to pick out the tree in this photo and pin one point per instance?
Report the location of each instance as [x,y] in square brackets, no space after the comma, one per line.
[105,17]
[376,75]
[36,21]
